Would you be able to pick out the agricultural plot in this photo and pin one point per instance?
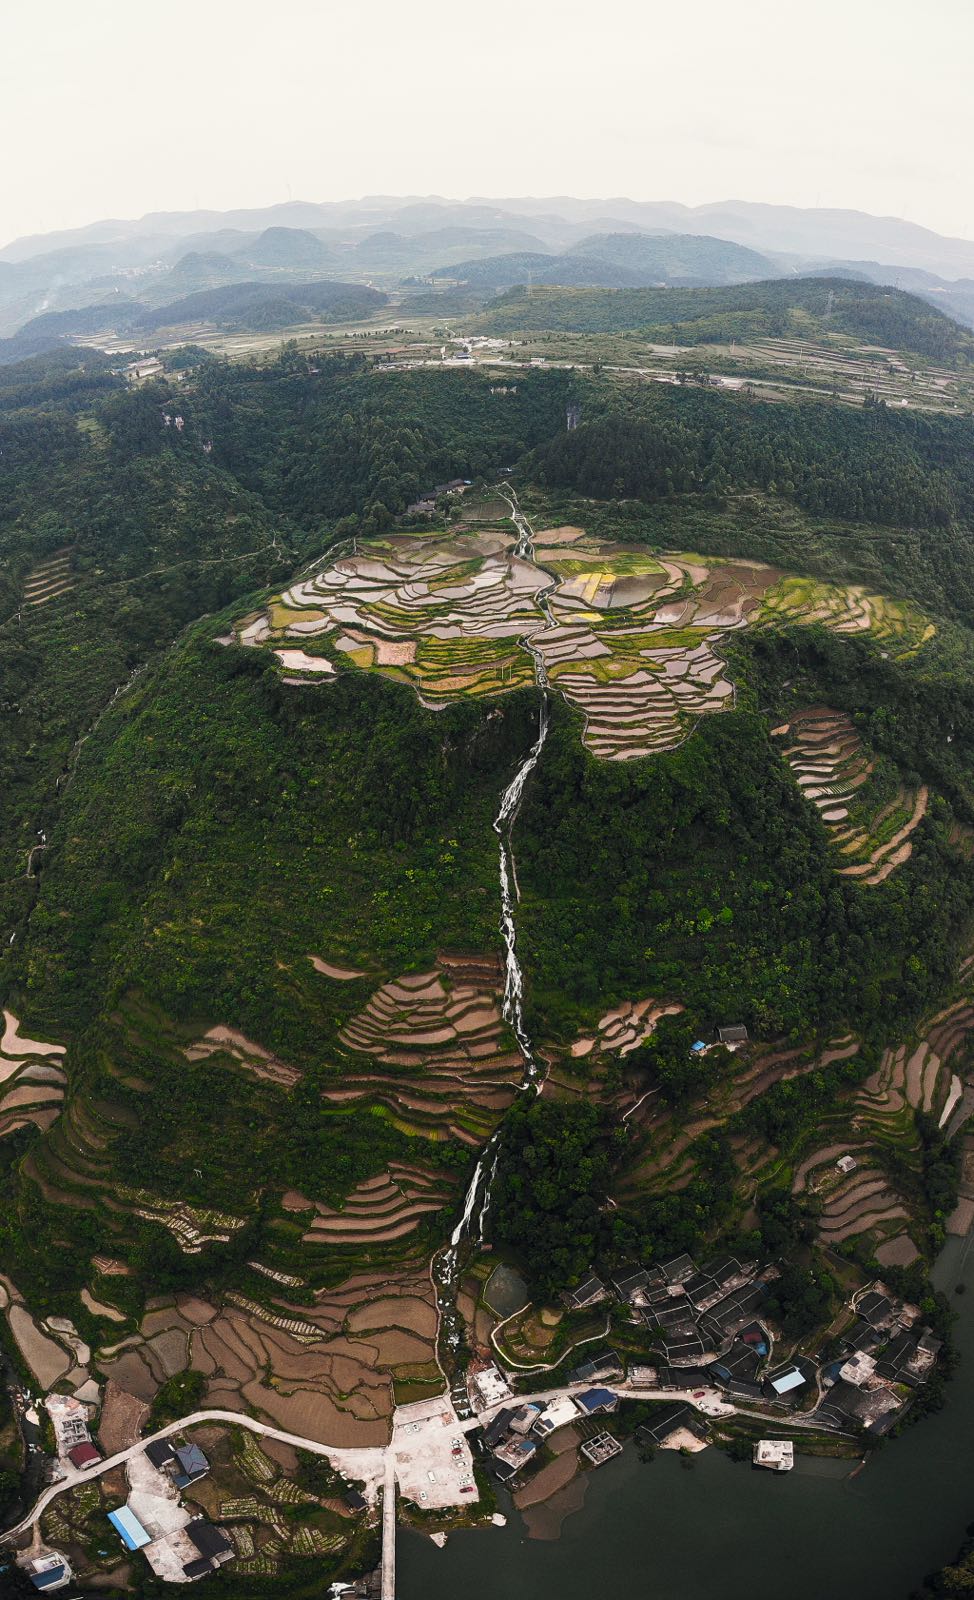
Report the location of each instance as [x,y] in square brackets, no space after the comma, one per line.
[442,613]
[666,1162]
[53,1349]
[909,1079]
[32,1079]
[433,1049]
[630,637]
[329,1370]
[833,770]
[229,1041]
[49,579]
[625,1027]
[383,1208]
[849,608]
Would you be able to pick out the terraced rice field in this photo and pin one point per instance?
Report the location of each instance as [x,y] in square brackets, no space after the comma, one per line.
[32,1079]
[228,1041]
[49,580]
[911,1078]
[444,614]
[833,769]
[433,1049]
[625,1027]
[849,608]
[666,1163]
[326,1370]
[73,1166]
[387,1207]
[631,638]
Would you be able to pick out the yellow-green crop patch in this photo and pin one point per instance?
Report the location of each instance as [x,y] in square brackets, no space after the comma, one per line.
[630,636]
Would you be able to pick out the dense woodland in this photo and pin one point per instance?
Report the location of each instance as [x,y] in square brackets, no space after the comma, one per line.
[867,466]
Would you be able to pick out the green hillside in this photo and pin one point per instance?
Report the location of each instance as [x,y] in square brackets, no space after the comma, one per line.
[526,266]
[267,305]
[677,257]
[256,724]
[781,308]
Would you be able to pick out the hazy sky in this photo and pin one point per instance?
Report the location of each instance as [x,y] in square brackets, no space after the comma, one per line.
[118,107]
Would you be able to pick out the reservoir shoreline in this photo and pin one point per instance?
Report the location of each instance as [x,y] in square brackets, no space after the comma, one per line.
[666,1530]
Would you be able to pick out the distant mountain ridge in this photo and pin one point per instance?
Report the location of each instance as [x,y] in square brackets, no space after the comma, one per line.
[620,260]
[408,243]
[823,232]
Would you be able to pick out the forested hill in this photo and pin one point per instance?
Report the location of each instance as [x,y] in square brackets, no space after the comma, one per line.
[618,259]
[347,440]
[220,852]
[779,308]
[911,474]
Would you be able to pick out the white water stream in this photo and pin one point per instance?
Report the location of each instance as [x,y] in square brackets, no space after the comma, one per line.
[512,1005]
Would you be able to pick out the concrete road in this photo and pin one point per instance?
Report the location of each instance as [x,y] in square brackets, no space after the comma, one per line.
[364,1464]
[375,1465]
[389,1528]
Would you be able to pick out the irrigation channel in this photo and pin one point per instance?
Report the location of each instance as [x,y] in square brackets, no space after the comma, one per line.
[445,1266]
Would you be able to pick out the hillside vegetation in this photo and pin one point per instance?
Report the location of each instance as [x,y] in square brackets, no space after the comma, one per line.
[864,465]
[782,308]
[254,893]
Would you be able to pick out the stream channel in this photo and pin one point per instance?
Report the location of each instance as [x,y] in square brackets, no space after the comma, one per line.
[445,1266]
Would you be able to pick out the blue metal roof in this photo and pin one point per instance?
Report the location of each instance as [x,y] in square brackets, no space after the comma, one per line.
[43,1580]
[594,1399]
[129,1528]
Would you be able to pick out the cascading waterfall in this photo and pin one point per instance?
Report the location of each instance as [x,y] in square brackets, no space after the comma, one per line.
[483,1174]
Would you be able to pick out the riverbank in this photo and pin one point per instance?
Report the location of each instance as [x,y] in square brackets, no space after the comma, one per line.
[671,1527]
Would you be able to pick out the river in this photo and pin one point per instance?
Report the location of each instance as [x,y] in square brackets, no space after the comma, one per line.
[722,1531]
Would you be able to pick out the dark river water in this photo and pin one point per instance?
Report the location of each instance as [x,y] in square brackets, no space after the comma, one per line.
[721,1531]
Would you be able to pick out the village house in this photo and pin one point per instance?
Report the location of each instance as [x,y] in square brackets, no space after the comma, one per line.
[630,1284]
[667,1421]
[597,1402]
[785,1382]
[48,1572]
[734,1037]
[601,1448]
[604,1365]
[499,1428]
[513,1456]
[69,1418]
[490,1387]
[678,1269]
[213,1545]
[589,1292]
[556,1414]
[129,1528]
[524,1419]
[184,1463]
[776,1454]
[145,367]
